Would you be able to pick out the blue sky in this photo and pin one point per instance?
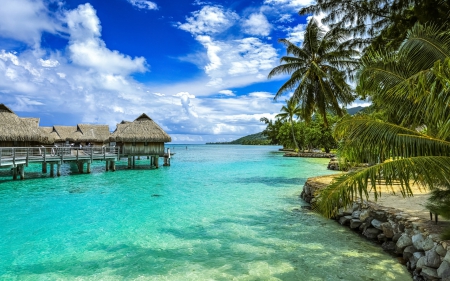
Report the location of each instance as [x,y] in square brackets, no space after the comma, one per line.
[198,68]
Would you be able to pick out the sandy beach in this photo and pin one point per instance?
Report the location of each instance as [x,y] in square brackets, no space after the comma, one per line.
[415,205]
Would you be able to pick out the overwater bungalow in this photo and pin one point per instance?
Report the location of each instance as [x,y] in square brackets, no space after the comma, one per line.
[20,132]
[82,134]
[142,137]
[94,135]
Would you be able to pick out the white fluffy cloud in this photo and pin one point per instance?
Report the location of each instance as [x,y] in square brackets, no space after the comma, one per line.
[291,4]
[257,24]
[87,49]
[227,93]
[25,20]
[185,99]
[142,4]
[248,57]
[209,20]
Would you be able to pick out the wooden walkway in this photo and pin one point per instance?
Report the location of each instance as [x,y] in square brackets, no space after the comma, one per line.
[11,157]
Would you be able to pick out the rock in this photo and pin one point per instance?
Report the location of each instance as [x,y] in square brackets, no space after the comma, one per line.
[447,257]
[381,237]
[396,237]
[432,259]
[429,273]
[408,252]
[347,211]
[356,214]
[417,241]
[388,246]
[417,255]
[379,215]
[345,220]
[441,251]
[428,244]
[371,233]
[415,258]
[420,262]
[376,223]
[355,223]
[363,227]
[403,242]
[388,231]
[364,214]
[444,270]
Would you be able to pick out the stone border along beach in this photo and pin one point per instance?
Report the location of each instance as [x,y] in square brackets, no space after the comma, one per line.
[415,240]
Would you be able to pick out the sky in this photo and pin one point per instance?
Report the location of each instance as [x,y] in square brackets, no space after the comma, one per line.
[197,68]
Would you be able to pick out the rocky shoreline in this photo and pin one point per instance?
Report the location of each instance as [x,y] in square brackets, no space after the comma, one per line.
[414,240]
[310,154]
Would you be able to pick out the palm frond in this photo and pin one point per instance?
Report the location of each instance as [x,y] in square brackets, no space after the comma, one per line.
[397,176]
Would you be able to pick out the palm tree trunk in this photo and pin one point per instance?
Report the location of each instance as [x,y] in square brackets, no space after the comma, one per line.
[293,137]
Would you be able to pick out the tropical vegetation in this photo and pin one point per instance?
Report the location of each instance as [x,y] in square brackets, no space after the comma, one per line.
[288,112]
[319,71]
[409,142]
[379,24]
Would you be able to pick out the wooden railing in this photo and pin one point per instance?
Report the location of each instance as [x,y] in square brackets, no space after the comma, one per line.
[43,154]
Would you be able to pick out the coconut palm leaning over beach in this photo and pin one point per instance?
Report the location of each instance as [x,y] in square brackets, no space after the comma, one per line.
[318,69]
[413,85]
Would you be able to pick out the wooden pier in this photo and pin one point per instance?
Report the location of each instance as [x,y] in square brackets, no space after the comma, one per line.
[17,158]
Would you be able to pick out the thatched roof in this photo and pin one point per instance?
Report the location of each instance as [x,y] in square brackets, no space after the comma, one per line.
[67,133]
[83,133]
[143,129]
[14,128]
[47,130]
[93,133]
[32,121]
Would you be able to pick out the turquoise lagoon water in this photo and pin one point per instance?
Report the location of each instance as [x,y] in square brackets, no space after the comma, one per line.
[218,213]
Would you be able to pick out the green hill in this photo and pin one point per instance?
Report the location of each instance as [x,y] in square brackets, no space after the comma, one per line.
[354,110]
[254,139]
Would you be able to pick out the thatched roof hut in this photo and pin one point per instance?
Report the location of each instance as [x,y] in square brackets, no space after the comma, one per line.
[66,133]
[16,129]
[93,133]
[143,129]
[83,133]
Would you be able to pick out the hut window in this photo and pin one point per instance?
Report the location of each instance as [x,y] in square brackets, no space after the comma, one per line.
[145,143]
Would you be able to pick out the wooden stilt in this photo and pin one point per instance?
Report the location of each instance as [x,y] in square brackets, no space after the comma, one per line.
[134,162]
[52,169]
[22,172]
[157,161]
[151,162]
[15,173]
[148,157]
[113,166]
[129,162]
[80,167]
[44,167]
[139,158]
[88,167]
[58,170]
[107,165]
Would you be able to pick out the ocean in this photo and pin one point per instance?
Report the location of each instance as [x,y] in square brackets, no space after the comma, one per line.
[219,212]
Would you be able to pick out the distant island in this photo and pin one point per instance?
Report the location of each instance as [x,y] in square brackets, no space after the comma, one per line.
[254,139]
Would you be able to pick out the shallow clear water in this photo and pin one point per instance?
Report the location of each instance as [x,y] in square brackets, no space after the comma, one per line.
[218,213]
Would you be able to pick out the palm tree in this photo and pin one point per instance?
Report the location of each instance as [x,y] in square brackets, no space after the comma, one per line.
[316,68]
[289,111]
[415,83]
